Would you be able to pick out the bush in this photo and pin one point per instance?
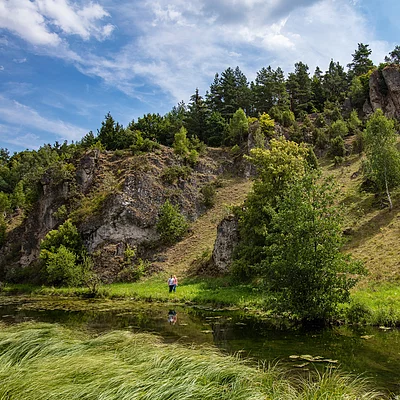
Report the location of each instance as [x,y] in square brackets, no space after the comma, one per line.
[171,225]
[208,191]
[62,267]
[174,173]
[3,229]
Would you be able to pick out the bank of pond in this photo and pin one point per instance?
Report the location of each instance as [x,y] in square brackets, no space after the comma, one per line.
[67,348]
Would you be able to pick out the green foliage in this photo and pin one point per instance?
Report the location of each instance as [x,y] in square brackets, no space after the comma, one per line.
[18,196]
[277,167]
[339,128]
[171,224]
[383,158]
[209,193]
[129,254]
[267,125]
[172,174]
[299,88]
[288,118]
[337,147]
[361,63]
[5,203]
[3,229]
[303,264]
[238,127]
[62,267]
[394,56]
[61,251]
[61,213]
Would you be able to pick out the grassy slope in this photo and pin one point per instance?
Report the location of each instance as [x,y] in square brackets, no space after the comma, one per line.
[180,256]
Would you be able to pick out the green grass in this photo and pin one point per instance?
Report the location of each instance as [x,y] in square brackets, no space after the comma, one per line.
[377,305]
[41,361]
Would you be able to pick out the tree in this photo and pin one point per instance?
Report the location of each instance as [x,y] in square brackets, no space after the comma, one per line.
[335,82]
[361,62]
[277,168]
[383,158]
[268,90]
[196,117]
[298,86]
[394,56]
[303,264]
[229,92]
[171,224]
[238,127]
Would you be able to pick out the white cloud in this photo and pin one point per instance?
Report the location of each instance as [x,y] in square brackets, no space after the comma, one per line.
[179,45]
[19,60]
[1,68]
[12,135]
[40,22]
[20,115]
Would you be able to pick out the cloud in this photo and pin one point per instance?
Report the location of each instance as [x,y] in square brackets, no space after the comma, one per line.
[20,115]
[12,135]
[1,68]
[19,60]
[173,46]
[41,22]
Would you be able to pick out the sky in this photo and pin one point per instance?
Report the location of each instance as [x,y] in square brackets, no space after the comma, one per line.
[64,64]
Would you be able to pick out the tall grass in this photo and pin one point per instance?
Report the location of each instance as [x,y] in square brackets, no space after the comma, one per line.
[42,361]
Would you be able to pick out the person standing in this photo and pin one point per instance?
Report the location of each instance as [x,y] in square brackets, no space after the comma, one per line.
[171,284]
[175,282]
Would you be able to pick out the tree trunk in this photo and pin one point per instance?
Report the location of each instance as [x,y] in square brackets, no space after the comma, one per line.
[387,193]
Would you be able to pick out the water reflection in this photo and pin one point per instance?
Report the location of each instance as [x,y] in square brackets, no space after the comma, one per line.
[374,352]
[172,317]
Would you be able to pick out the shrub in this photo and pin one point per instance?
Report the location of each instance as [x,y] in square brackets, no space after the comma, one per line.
[62,267]
[171,225]
[174,173]
[208,191]
[3,229]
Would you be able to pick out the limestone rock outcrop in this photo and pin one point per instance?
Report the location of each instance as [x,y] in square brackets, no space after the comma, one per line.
[384,92]
[225,243]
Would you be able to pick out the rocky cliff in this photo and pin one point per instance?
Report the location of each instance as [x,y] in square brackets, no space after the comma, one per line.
[384,92]
[114,200]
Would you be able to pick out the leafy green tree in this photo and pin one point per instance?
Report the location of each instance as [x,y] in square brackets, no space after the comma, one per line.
[62,253]
[62,267]
[18,196]
[361,63]
[267,125]
[181,143]
[383,158]
[238,127]
[171,224]
[277,168]
[303,264]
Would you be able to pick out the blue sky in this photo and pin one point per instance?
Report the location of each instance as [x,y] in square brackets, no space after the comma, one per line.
[64,64]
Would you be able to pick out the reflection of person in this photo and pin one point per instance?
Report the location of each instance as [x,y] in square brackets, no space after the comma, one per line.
[175,282]
[171,284]
[172,317]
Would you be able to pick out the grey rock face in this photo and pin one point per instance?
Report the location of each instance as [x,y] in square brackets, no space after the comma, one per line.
[225,244]
[384,92]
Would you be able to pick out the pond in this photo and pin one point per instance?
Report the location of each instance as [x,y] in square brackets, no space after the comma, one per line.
[373,352]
